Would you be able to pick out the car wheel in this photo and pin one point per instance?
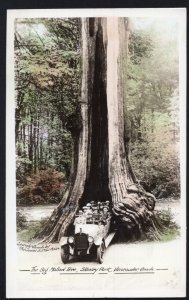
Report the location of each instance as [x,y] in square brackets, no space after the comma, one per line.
[100,252]
[65,254]
[93,251]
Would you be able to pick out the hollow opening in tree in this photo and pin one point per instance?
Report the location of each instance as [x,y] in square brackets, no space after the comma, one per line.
[97,183]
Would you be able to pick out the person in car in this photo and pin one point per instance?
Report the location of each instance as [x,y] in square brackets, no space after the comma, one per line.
[89,208]
[95,209]
[89,218]
[98,204]
[95,213]
[101,207]
[85,211]
[93,203]
[106,212]
[107,203]
[81,219]
[104,216]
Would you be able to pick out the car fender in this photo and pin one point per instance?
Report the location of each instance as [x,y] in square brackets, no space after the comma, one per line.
[98,241]
[63,241]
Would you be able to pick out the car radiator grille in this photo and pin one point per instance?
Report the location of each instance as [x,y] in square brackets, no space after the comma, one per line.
[81,241]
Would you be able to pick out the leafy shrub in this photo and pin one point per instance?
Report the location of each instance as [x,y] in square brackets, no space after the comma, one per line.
[23,167]
[28,233]
[20,221]
[42,188]
[171,229]
[156,163]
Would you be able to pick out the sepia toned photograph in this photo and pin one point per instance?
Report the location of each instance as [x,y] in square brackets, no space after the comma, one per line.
[96,203]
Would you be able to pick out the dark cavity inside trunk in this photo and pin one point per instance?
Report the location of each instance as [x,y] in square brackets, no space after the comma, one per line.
[97,183]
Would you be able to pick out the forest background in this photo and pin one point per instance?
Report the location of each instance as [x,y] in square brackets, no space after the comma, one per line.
[47,114]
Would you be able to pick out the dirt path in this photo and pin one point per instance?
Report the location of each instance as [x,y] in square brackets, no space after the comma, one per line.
[138,267]
[39,212]
[142,268]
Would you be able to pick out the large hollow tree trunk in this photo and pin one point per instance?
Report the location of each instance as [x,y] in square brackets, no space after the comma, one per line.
[103,171]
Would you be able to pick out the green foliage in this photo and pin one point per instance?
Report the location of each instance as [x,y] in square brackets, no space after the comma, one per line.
[156,162]
[47,77]
[20,221]
[29,233]
[22,168]
[171,229]
[152,112]
[140,46]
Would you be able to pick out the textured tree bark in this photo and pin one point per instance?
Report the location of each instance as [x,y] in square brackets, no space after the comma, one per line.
[103,170]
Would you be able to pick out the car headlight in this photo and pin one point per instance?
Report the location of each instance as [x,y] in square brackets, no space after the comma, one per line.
[90,239]
[70,240]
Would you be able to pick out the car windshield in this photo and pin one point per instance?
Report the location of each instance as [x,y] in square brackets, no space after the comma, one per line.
[93,219]
[90,229]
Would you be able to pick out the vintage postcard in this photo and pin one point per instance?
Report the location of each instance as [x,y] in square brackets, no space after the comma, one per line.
[96,153]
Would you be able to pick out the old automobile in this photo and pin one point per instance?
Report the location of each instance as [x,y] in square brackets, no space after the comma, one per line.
[91,236]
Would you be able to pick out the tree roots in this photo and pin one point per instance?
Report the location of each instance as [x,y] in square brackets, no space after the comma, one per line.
[136,217]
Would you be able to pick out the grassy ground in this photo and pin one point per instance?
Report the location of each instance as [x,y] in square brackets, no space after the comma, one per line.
[170,234]
[28,233]
[171,229]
